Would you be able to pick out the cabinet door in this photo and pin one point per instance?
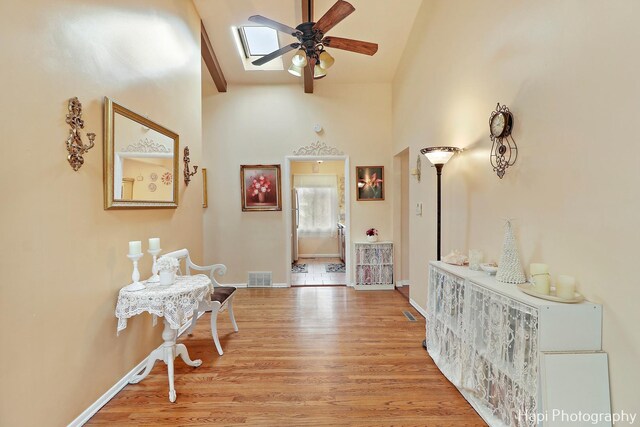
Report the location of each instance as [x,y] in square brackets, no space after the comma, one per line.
[500,354]
[445,322]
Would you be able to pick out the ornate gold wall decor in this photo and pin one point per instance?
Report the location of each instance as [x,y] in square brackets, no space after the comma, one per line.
[75,146]
[187,173]
[141,161]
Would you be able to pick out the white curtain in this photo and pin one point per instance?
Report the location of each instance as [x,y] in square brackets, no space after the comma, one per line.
[318,204]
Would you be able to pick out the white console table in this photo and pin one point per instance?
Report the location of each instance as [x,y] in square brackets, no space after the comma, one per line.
[374,265]
[519,360]
[175,304]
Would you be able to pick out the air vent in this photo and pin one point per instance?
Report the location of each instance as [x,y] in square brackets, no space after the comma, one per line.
[259,279]
[409,316]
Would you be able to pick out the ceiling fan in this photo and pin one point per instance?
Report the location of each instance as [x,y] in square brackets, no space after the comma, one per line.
[312,41]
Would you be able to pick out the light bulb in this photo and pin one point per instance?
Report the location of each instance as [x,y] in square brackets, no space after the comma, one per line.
[326,60]
[319,72]
[295,70]
[300,58]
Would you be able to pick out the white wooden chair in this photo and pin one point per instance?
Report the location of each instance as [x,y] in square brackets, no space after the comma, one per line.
[221,298]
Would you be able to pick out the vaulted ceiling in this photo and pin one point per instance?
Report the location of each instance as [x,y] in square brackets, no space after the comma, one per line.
[385,22]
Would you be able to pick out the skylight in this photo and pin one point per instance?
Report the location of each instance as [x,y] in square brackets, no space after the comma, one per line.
[254,42]
[259,41]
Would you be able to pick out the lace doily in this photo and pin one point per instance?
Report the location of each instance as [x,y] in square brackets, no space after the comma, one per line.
[485,343]
[175,303]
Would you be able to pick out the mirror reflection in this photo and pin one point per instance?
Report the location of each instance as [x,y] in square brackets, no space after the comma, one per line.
[141,161]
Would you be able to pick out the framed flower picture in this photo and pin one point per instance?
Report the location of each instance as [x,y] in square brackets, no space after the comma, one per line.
[370,183]
[260,186]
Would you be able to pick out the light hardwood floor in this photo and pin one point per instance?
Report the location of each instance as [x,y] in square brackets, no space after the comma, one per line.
[318,356]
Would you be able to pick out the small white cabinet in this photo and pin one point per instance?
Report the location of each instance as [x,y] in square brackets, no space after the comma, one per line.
[514,357]
[374,265]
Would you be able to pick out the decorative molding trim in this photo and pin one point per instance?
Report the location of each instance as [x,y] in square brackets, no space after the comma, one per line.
[115,389]
[318,149]
[146,146]
[418,308]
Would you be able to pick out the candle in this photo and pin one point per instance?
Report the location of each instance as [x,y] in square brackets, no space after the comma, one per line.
[541,280]
[135,247]
[536,268]
[154,243]
[565,287]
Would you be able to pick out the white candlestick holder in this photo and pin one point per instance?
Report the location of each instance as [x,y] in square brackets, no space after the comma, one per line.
[154,278]
[135,276]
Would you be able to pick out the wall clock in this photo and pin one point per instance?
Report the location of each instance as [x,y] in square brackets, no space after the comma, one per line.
[504,150]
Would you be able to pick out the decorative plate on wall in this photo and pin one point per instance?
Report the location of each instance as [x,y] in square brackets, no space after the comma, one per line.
[167,178]
[153,176]
[152,187]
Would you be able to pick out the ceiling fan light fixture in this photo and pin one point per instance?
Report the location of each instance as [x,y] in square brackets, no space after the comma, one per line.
[300,58]
[319,72]
[295,70]
[326,60]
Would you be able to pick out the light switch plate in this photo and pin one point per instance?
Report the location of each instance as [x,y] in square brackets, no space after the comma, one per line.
[419,209]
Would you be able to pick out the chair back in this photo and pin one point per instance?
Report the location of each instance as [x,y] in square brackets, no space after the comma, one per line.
[210,270]
[181,254]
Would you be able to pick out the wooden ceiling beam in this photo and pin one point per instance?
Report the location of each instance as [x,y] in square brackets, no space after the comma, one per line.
[211,60]
[307,16]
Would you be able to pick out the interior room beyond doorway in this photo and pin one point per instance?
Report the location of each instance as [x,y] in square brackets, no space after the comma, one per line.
[318,214]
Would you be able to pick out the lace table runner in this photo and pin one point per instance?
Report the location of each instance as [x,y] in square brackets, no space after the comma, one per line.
[175,303]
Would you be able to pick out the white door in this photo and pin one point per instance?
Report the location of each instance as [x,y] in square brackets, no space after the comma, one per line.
[295,220]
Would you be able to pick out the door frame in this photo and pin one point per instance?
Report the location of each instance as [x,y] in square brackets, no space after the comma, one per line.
[286,205]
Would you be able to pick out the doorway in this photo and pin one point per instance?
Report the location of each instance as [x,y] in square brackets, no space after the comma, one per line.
[317,207]
[401,218]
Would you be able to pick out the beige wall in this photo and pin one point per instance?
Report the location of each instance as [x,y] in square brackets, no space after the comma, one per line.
[62,256]
[312,246]
[263,124]
[567,72]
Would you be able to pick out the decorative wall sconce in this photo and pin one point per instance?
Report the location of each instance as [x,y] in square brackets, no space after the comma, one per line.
[504,152]
[187,173]
[75,146]
[417,171]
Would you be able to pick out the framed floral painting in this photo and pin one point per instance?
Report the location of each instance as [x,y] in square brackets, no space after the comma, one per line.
[260,188]
[370,183]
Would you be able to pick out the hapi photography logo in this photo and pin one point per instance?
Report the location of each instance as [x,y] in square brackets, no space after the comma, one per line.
[578,418]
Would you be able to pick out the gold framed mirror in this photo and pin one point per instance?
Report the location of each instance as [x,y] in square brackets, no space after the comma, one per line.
[140,161]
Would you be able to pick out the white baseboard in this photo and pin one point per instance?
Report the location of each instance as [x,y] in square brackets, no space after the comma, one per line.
[402,283]
[319,256]
[244,285]
[388,287]
[235,285]
[418,308]
[115,389]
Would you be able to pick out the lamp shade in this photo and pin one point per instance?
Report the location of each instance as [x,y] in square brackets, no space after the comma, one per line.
[295,70]
[326,60]
[439,155]
[300,58]
[319,72]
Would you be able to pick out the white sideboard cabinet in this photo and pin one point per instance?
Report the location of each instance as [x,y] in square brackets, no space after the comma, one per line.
[510,353]
[374,265]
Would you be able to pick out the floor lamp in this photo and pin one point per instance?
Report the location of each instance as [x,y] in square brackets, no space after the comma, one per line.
[438,156]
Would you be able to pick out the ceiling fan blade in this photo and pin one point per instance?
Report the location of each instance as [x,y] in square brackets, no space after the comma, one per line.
[276,53]
[259,19]
[351,45]
[337,13]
